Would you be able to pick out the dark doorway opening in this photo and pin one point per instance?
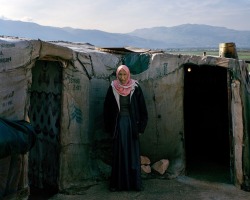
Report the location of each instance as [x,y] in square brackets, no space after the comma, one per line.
[45,116]
[206,117]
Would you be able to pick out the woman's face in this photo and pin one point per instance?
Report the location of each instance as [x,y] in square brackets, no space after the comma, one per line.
[123,76]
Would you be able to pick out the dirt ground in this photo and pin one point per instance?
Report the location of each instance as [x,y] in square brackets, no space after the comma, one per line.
[181,188]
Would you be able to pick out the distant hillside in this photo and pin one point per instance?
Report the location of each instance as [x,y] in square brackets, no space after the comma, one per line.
[194,35]
[94,37]
[183,36]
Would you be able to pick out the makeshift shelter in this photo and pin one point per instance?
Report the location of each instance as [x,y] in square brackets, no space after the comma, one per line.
[198,108]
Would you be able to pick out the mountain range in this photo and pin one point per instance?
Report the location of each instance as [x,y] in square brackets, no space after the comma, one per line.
[182,36]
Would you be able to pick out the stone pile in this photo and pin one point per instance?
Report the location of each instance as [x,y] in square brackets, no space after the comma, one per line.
[159,167]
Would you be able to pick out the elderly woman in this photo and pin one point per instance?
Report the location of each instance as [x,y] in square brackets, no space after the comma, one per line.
[125,117]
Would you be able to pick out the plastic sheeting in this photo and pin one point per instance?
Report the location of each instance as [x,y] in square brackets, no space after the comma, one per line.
[16,137]
[137,63]
[86,75]
[15,77]
[44,114]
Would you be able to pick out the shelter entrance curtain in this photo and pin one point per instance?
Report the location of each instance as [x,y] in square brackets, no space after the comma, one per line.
[44,113]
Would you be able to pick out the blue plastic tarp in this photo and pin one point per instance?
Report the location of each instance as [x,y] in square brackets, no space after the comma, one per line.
[16,137]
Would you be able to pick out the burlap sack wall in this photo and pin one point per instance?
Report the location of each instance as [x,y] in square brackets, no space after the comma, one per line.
[74,156]
[16,60]
[162,84]
[86,76]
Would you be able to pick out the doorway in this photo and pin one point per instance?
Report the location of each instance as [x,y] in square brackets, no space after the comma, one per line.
[44,114]
[206,122]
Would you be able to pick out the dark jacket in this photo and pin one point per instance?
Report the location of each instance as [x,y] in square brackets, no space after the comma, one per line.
[137,109]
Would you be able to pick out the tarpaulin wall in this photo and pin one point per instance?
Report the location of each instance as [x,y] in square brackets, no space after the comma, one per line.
[86,75]
[75,163]
[15,77]
[164,96]
[162,83]
[242,74]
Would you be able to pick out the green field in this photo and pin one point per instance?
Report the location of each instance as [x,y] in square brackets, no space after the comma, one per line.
[242,54]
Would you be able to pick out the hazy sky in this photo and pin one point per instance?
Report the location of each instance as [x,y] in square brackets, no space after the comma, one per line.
[123,16]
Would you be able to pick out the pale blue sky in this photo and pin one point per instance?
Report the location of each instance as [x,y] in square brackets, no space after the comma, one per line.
[123,16]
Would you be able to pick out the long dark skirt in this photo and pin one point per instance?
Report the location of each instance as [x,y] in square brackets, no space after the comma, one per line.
[126,168]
